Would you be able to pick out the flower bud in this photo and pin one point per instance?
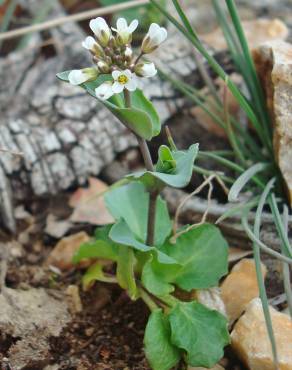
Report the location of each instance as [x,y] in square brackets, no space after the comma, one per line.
[124,32]
[101,30]
[145,70]
[103,67]
[128,53]
[90,44]
[79,76]
[155,36]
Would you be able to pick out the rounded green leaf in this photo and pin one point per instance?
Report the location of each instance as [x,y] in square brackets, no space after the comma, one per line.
[131,203]
[159,351]
[202,254]
[201,332]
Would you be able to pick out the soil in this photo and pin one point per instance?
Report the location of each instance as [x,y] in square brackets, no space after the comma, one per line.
[106,335]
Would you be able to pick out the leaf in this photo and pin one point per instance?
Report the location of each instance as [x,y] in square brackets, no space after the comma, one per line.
[121,234]
[94,273]
[101,247]
[125,272]
[137,120]
[130,202]
[159,351]
[141,118]
[201,332]
[179,177]
[152,281]
[202,254]
[88,204]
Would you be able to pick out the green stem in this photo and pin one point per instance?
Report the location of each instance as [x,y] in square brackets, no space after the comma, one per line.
[149,166]
[148,300]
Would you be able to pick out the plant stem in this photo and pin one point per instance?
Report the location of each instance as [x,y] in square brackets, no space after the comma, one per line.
[149,166]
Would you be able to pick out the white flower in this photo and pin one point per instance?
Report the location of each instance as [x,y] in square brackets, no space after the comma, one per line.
[101,30]
[124,79]
[155,36]
[104,91]
[90,44]
[145,70]
[79,76]
[124,31]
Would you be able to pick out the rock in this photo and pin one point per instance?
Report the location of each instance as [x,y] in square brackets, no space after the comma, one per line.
[235,254]
[274,65]
[257,32]
[31,317]
[89,205]
[216,367]
[240,287]
[62,254]
[75,304]
[57,228]
[212,299]
[249,338]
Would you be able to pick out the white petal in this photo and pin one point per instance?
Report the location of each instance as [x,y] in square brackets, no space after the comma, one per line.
[154,27]
[104,91]
[149,70]
[97,25]
[88,43]
[116,74]
[121,24]
[127,73]
[133,25]
[131,85]
[163,34]
[77,77]
[117,87]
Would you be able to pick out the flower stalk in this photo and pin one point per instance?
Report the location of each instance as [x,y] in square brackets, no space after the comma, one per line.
[150,167]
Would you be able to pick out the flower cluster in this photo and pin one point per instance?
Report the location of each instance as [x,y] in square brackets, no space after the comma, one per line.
[113,56]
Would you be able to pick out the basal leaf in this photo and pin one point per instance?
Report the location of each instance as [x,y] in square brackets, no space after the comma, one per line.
[130,202]
[100,247]
[160,352]
[121,234]
[153,282]
[201,332]
[179,177]
[94,273]
[125,271]
[202,255]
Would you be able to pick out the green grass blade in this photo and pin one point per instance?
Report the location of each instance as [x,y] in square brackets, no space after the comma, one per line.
[260,278]
[256,90]
[262,245]
[286,247]
[286,269]
[251,149]
[244,179]
[218,69]
[203,171]
[239,209]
